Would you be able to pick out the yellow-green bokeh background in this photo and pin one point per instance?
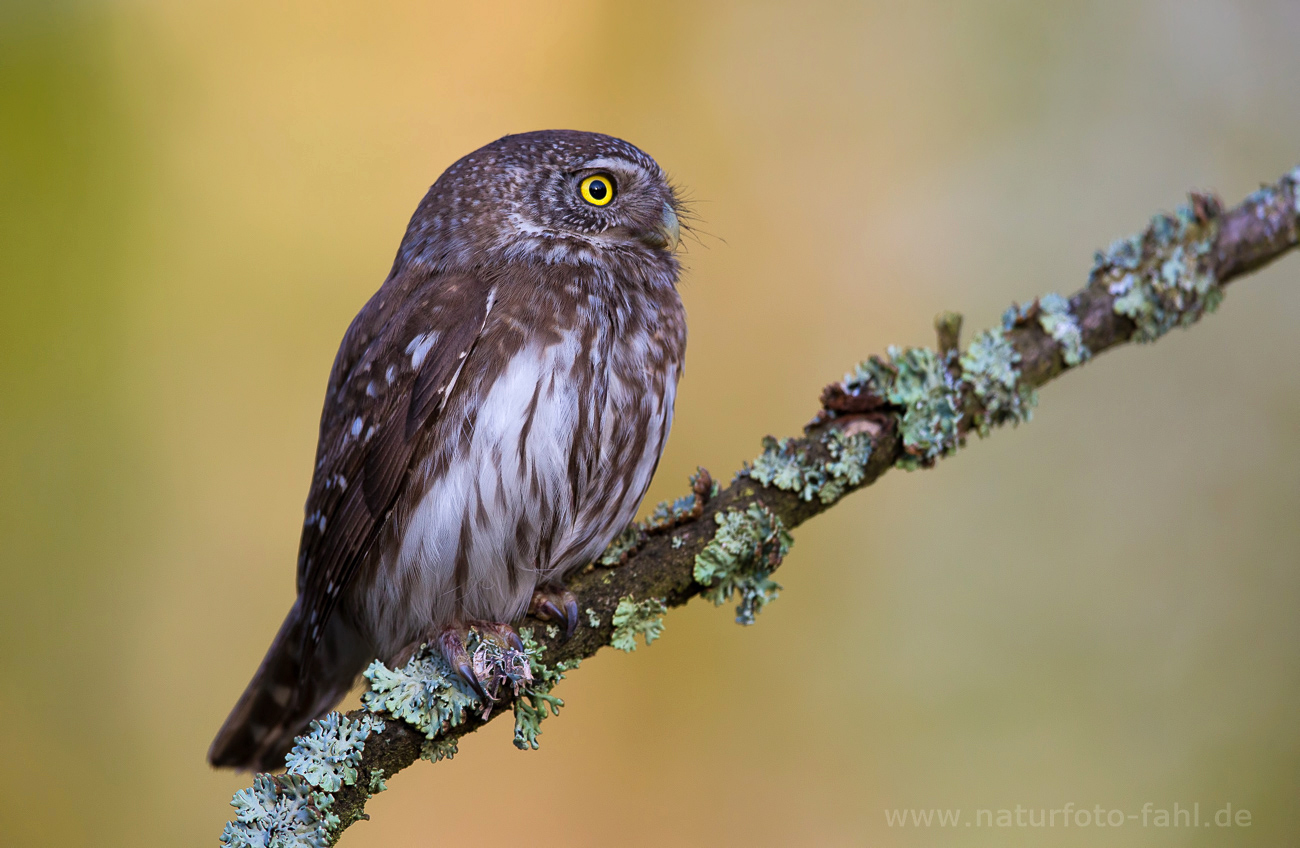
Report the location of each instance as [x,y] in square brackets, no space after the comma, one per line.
[1102,607]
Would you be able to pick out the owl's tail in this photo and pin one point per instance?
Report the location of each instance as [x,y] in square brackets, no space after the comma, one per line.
[281,701]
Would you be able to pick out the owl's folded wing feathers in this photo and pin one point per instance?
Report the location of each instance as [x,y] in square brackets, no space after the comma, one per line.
[397,364]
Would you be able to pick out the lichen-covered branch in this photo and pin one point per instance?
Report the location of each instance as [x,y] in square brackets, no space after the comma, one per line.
[908,408]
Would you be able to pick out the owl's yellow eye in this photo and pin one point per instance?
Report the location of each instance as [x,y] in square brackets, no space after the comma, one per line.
[598,190]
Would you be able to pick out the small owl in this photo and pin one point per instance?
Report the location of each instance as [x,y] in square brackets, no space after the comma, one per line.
[493,418]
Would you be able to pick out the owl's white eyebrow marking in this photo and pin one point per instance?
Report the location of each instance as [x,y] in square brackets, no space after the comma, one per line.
[609,164]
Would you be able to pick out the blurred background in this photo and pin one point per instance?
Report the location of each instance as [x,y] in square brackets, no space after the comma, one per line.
[1099,608]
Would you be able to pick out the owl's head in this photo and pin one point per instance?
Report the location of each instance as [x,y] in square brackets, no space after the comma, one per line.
[549,197]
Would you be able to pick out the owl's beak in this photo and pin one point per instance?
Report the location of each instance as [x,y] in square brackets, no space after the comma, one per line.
[667,235]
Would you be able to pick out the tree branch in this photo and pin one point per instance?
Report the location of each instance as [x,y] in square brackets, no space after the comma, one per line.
[907,409]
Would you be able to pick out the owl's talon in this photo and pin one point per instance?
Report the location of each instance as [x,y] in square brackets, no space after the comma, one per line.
[501,632]
[571,615]
[451,644]
[466,672]
[561,605]
[497,665]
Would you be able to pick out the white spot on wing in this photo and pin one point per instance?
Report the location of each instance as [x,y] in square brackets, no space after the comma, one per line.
[356,427]
[420,346]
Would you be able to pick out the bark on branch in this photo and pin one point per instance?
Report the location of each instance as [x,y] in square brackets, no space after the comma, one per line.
[909,408]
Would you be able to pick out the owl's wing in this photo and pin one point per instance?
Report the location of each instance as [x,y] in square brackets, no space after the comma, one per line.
[397,364]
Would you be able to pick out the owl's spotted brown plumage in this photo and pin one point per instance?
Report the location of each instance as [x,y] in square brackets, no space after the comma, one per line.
[493,418]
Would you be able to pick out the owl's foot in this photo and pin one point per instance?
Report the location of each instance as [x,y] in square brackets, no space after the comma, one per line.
[556,603]
[489,656]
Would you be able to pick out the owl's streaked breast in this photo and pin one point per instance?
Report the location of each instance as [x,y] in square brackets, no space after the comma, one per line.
[535,477]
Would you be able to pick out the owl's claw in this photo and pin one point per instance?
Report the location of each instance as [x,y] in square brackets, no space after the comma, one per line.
[497,660]
[556,604]
[451,644]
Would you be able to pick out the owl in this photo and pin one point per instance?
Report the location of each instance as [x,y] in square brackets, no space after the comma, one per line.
[493,417]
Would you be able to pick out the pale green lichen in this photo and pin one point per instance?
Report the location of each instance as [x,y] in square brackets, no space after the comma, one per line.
[327,755]
[633,617]
[989,366]
[1018,313]
[847,466]
[535,701]
[783,466]
[786,464]
[1171,284]
[740,558]
[918,381]
[1055,318]
[932,391]
[1175,294]
[593,618]
[624,545]
[377,783]
[280,811]
[425,693]
[1123,253]
[670,513]
[287,811]
[677,542]
[436,750]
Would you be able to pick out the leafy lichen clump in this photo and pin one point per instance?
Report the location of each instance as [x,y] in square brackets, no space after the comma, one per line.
[740,558]
[293,809]
[1123,254]
[1055,318]
[990,367]
[535,700]
[847,466]
[280,811]
[670,513]
[425,693]
[623,546]
[327,756]
[435,750]
[632,617]
[1170,283]
[785,464]
[920,382]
